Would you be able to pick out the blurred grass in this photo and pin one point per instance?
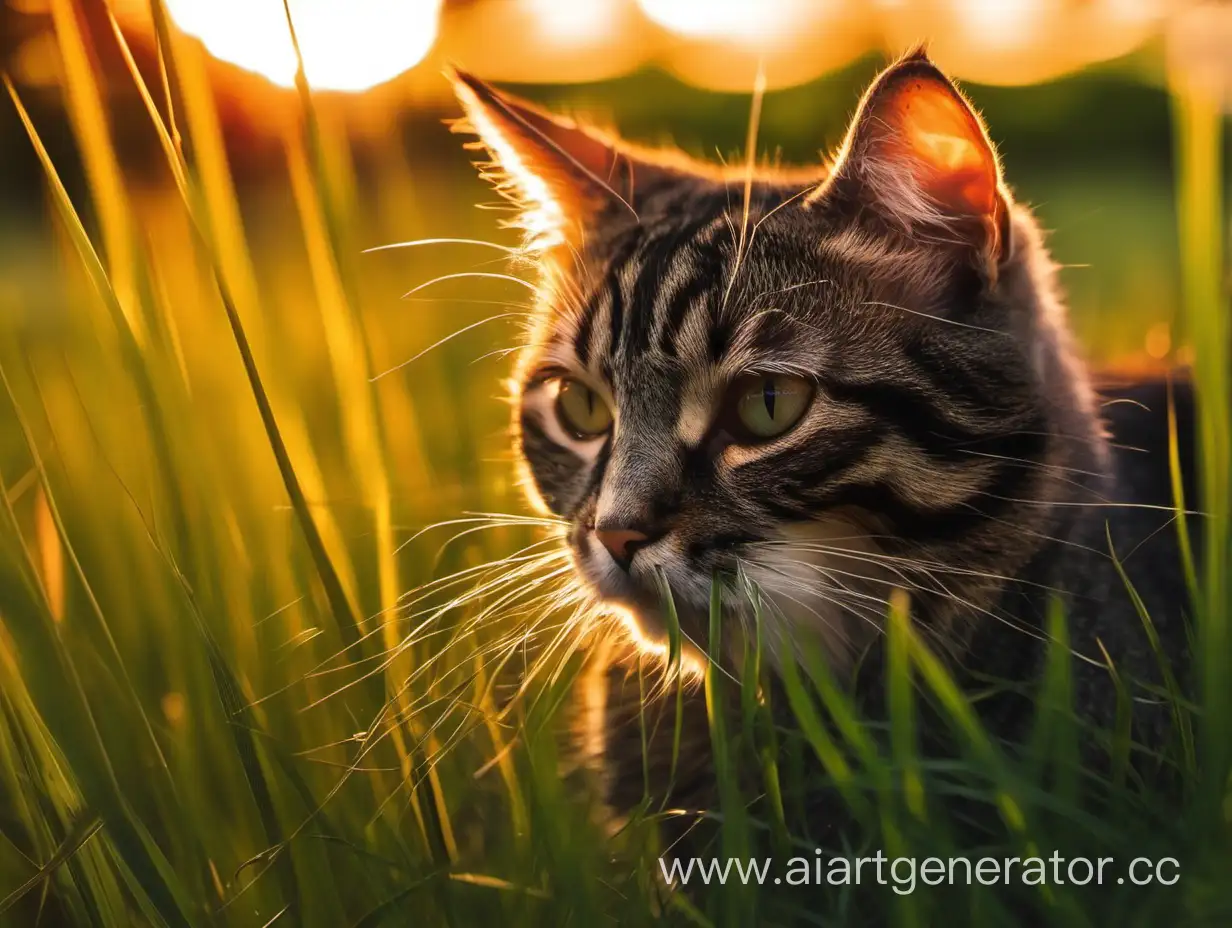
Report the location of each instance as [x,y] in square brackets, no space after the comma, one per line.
[212,710]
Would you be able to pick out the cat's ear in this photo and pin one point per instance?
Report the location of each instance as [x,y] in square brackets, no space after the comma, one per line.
[918,153]
[559,174]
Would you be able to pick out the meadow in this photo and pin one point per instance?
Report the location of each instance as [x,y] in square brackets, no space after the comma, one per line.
[281,644]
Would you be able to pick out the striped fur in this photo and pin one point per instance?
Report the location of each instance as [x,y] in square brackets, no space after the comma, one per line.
[952,434]
[935,366]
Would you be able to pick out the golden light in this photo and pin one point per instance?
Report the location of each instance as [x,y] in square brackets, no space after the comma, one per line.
[569,21]
[731,45]
[1198,40]
[1000,23]
[1021,41]
[554,41]
[738,21]
[542,218]
[1159,340]
[692,661]
[346,46]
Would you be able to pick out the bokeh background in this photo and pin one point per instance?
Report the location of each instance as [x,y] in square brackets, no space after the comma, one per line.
[1074,92]
[179,581]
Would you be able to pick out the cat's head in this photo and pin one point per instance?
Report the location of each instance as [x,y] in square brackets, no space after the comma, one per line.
[822,383]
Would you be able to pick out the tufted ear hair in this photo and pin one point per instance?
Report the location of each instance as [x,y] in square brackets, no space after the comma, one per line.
[561,176]
[918,153]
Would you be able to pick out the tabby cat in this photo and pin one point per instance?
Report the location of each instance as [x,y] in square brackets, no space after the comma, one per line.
[822,385]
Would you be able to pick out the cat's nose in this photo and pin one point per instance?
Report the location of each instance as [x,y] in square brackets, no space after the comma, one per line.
[622,543]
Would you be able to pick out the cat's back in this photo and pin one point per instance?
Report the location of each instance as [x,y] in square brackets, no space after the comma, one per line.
[1136,531]
[1136,414]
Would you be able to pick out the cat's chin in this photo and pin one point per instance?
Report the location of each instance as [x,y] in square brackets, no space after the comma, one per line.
[639,602]
[647,622]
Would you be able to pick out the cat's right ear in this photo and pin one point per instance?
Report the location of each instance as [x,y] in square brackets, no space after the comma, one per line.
[560,175]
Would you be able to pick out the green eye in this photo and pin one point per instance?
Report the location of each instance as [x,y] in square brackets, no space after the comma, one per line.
[581,410]
[767,405]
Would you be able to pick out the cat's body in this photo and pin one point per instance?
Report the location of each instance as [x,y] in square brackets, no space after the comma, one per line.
[1134,510]
[820,388]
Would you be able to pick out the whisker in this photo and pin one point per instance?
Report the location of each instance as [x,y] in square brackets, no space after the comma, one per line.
[487,275]
[806,283]
[487,521]
[955,322]
[439,342]
[791,199]
[1026,461]
[416,243]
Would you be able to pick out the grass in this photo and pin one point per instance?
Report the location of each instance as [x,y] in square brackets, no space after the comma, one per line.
[217,708]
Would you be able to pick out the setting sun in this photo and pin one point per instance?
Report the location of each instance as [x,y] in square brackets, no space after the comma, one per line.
[349,46]
[732,20]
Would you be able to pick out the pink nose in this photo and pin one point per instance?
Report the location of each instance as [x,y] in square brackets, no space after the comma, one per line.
[621,543]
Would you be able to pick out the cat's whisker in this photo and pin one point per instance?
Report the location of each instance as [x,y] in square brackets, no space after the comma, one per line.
[416,243]
[876,618]
[749,323]
[482,522]
[835,578]
[501,353]
[936,318]
[514,644]
[452,335]
[322,667]
[415,635]
[565,634]
[804,191]
[520,557]
[527,308]
[523,576]
[550,521]
[1093,442]
[484,527]
[1081,504]
[909,563]
[525,614]
[788,289]
[459,275]
[911,583]
[824,592]
[787,624]
[1042,465]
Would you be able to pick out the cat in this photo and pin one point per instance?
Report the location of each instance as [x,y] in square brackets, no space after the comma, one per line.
[824,384]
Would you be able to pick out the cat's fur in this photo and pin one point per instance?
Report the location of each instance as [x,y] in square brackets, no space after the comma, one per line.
[955,446]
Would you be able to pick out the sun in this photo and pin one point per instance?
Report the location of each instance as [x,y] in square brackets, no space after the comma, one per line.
[347,46]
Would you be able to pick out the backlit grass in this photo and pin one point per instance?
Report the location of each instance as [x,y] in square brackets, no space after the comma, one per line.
[219,703]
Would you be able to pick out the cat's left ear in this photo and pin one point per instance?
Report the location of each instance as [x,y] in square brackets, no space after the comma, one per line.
[560,175]
[918,153]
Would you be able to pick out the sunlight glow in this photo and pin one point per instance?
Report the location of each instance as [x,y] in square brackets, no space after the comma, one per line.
[573,22]
[740,21]
[346,46]
[1000,22]
[542,217]
[692,664]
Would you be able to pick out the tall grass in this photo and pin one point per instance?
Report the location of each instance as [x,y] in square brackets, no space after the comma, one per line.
[215,709]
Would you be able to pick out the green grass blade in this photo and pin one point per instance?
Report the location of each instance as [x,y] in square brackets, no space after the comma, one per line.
[1054,735]
[1176,698]
[1199,138]
[737,903]
[900,698]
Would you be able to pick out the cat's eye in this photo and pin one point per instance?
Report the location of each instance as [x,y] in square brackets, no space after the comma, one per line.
[581,410]
[767,405]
